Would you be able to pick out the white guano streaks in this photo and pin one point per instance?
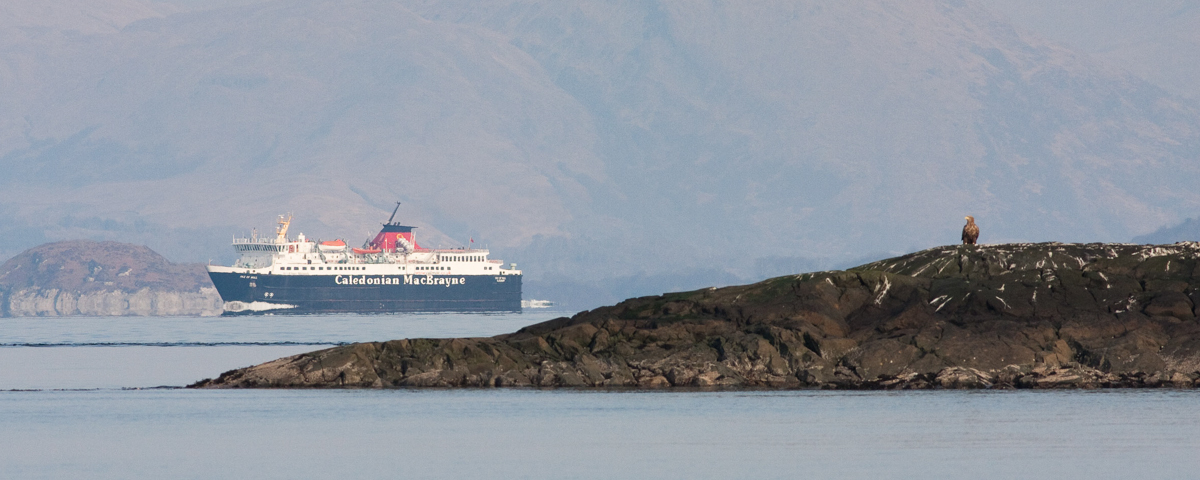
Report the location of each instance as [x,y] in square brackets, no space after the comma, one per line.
[887,285]
[945,264]
[1004,302]
[943,303]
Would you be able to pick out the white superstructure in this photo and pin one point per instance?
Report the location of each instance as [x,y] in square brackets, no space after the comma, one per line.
[391,253]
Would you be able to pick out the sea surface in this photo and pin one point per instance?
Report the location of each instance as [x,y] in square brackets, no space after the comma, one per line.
[99,398]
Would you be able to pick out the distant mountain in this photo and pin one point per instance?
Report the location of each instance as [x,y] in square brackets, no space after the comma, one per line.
[87,266]
[1186,231]
[590,144]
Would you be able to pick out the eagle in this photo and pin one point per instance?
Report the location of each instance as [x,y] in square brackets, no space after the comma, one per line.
[970,231]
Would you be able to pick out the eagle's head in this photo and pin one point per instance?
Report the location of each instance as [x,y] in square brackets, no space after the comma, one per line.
[970,219]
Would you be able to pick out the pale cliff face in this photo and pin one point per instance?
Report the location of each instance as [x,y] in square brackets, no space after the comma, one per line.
[34,302]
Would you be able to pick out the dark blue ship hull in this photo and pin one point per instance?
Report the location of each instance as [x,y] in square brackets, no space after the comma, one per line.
[260,293]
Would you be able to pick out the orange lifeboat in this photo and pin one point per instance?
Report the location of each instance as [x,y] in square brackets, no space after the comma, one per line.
[362,251]
[332,246]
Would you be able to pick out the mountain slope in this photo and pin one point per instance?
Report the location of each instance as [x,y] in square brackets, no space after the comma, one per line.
[590,144]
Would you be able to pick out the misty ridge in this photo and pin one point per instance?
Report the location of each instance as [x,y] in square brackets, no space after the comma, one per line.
[612,150]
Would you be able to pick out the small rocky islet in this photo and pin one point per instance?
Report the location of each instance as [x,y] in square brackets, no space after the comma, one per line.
[1047,315]
[84,277]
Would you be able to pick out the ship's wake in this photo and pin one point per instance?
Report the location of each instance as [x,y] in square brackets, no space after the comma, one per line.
[243,307]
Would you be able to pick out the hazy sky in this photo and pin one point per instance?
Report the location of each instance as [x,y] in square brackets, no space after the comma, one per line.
[599,143]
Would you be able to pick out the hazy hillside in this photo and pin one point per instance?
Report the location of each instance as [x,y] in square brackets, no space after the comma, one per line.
[1186,231]
[1158,40]
[610,150]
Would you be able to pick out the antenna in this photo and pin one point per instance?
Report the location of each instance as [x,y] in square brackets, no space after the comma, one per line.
[394,212]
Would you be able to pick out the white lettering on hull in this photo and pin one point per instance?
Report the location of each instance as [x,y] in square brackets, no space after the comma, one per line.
[407,280]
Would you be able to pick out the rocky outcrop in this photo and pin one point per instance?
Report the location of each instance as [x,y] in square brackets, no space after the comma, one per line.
[1016,316]
[103,278]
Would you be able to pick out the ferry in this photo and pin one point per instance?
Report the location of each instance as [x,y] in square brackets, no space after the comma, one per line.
[390,273]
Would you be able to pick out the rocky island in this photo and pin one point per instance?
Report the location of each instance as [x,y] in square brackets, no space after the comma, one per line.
[1046,315]
[83,277]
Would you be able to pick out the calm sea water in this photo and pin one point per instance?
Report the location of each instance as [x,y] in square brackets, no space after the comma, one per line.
[75,405]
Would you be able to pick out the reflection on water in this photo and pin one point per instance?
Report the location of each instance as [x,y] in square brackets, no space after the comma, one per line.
[572,434]
[109,431]
[319,329]
[140,352]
